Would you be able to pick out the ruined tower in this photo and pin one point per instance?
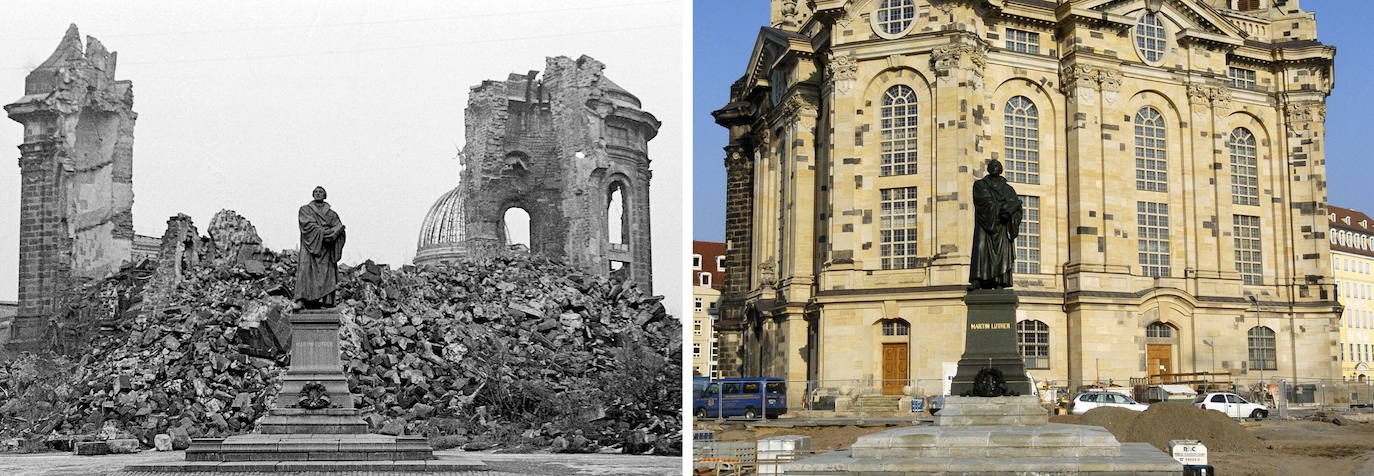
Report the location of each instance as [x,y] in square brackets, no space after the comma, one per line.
[76,162]
[570,149]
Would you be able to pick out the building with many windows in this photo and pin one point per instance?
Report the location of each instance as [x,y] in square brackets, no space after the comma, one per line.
[1352,265]
[1169,154]
[708,268]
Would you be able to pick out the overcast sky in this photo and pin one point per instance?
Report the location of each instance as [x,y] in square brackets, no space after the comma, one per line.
[247,105]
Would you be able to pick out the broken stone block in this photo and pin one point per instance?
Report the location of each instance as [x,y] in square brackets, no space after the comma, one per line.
[122,445]
[162,442]
[89,448]
[180,439]
[393,427]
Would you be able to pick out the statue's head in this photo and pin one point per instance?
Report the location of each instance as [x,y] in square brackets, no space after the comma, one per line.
[319,194]
[994,167]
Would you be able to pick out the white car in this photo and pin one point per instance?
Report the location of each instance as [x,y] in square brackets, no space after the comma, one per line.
[1231,404]
[1089,400]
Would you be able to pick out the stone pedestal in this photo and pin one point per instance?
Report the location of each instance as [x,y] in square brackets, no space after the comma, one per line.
[990,341]
[332,438]
[314,358]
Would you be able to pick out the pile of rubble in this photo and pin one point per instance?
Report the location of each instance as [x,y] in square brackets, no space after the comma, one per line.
[513,350]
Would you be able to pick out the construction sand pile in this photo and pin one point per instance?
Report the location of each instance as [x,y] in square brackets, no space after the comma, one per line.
[1170,421]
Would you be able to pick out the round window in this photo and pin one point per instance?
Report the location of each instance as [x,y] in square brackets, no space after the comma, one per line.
[894,18]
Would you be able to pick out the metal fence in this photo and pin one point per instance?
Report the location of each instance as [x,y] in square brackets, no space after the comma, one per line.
[877,398]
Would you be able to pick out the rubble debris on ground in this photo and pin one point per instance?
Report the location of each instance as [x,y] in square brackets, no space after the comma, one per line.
[514,350]
[1166,421]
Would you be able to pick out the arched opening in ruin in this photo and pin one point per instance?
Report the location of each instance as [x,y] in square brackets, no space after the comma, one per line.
[617,221]
[515,224]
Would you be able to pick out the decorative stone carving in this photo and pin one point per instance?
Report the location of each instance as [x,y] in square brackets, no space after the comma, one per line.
[1201,94]
[768,275]
[1305,112]
[1077,79]
[313,396]
[947,57]
[842,68]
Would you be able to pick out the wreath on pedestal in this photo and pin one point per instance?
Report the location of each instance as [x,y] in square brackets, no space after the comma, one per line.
[313,397]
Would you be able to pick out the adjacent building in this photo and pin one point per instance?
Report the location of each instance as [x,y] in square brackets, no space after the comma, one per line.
[708,272]
[1352,265]
[1170,154]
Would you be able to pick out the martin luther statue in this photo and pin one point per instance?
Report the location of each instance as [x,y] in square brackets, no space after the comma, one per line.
[322,242]
[997,220]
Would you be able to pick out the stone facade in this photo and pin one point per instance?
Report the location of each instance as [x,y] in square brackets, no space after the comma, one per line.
[707,282]
[563,148]
[1171,153]
[76,162]
[1352,265]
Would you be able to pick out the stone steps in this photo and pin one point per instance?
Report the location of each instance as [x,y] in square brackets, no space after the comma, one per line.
[877,403]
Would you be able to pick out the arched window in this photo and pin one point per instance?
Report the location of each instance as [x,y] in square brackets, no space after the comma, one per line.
[1244,170]
[1262,353]
[516,225]
[1159,329]
[898,131]
[896,327]
[1151,39]
[1021,140]
[1033,340]
[1151,154]
[895,16]
[617,230]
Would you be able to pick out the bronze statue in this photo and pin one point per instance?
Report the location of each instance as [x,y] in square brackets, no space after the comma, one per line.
[996,222]
[322,242]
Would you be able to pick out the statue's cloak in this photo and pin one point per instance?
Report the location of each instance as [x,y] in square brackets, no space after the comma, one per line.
[318,268]
[997,221]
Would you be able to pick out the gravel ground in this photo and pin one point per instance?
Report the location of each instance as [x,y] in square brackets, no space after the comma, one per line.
[64,464]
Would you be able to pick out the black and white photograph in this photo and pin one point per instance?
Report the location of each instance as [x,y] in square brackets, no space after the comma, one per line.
[438,237]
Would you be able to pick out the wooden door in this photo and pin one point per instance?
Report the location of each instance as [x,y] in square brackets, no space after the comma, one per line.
[1159,359]
[894,368]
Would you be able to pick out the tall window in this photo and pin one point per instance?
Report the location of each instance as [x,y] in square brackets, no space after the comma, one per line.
[1033,340]
[1151,155]
[1151,38]
[895,16]
[704,279]
[1241,77]
[897,227]
[1023,41]
[1262,354]
[697,304]
[1244,168]
[1028,240]
[1152,234]
[1021,140]
[896,327]
[1246,230]
[898,131]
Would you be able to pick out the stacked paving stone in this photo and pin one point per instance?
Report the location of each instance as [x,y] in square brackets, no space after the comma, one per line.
[512,349]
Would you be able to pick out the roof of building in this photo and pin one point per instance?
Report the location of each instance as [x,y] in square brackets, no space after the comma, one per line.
[709,250]
[1358,235]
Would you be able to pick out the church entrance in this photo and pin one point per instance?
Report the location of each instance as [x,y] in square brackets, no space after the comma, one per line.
[895,366]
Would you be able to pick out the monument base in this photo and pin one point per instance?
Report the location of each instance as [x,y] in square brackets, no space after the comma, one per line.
[317,430]
[990,342]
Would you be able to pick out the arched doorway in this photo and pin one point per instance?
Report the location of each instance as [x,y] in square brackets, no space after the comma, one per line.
[1160,340]
[515,227]
[896,362]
